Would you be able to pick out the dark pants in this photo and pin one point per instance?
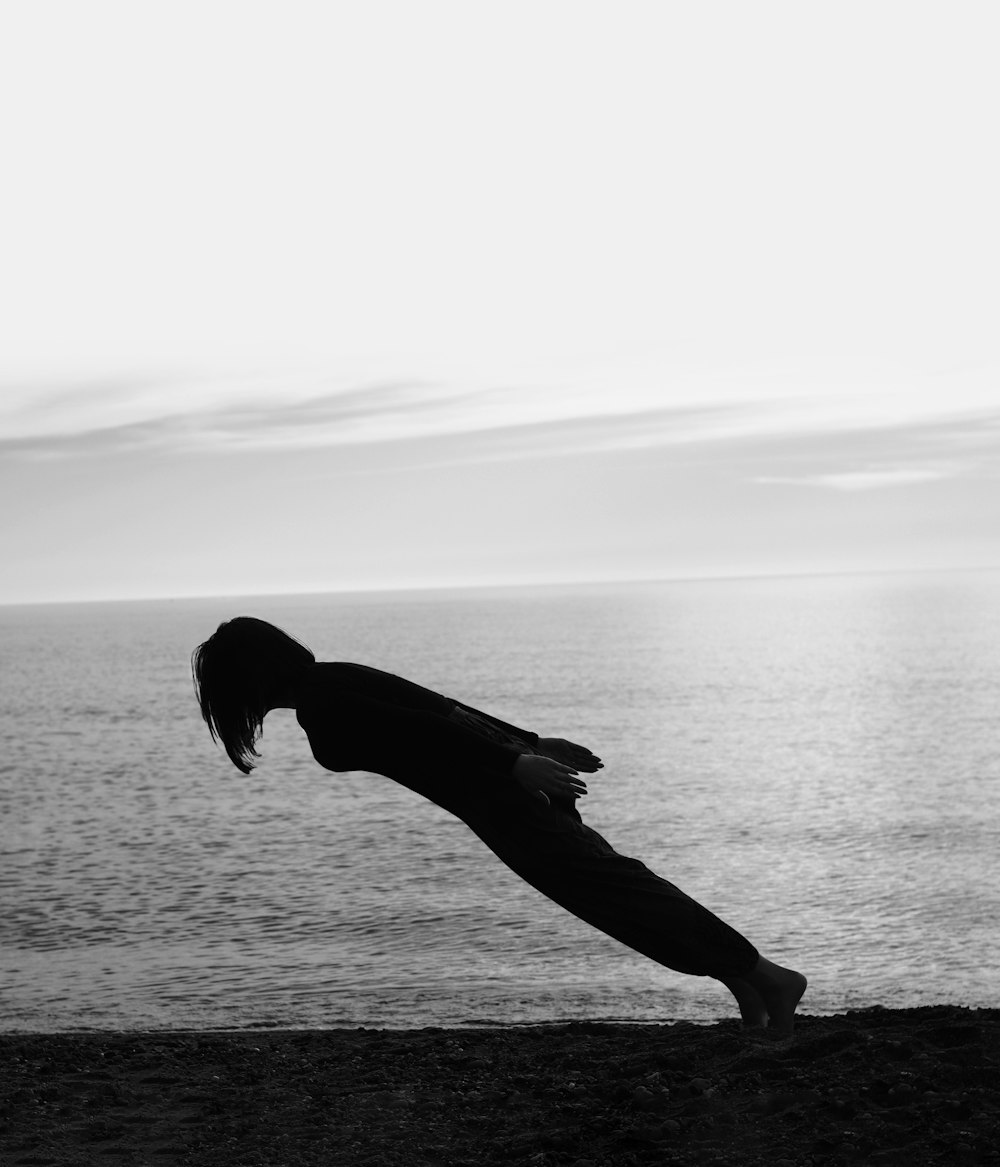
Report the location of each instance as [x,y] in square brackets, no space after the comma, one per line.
[556,852]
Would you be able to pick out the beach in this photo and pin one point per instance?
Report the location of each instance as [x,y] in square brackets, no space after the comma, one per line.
[915,1086]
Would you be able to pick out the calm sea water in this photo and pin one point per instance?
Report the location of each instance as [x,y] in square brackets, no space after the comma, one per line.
[816,760]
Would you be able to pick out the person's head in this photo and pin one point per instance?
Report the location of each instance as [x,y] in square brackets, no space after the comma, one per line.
[243,668]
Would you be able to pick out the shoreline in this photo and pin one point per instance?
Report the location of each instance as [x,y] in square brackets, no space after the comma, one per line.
[918,1085]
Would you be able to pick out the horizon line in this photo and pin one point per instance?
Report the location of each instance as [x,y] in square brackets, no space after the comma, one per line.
[499,585]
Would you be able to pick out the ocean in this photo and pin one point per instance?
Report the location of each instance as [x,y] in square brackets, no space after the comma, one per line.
[814,758]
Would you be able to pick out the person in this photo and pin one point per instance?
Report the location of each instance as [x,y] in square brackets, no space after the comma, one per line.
[517,791]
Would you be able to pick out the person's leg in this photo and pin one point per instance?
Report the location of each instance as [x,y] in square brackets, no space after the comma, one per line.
[577,868]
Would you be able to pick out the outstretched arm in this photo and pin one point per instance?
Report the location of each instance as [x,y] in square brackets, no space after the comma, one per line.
[348,731]
[557,748]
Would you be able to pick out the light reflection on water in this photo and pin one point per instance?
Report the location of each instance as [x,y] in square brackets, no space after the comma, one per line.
[815,760]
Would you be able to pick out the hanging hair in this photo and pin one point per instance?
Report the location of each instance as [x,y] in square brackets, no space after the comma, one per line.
[243,663]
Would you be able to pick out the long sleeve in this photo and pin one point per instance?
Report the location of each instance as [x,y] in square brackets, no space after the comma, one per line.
[493,727]
[350,731]
[370,682]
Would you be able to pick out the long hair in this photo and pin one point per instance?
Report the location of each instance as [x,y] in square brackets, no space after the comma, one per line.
[241,665]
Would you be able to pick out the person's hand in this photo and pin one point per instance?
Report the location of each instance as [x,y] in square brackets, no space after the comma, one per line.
[543,777]
[579,757]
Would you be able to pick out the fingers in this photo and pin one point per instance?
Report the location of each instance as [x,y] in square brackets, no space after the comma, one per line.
[583,758]
[545,776]
[567,751]
[572,783]
[564,781]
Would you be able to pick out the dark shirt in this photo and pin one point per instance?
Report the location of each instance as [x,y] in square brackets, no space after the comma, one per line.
[360,718]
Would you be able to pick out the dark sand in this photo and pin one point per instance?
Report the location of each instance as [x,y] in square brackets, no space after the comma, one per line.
[915,1086]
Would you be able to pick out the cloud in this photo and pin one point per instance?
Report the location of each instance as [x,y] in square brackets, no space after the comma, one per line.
[109,419]
[899,437]
[223,415]
[422,430]
[871,478]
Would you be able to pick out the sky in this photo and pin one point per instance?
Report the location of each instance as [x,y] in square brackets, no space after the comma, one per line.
[317,296]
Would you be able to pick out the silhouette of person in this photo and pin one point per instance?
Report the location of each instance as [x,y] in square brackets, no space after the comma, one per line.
[515,790]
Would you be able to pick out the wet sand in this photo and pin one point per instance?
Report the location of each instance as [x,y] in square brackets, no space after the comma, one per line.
[916,1086]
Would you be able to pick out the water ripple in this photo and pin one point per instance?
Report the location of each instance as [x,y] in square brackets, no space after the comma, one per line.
[815,763]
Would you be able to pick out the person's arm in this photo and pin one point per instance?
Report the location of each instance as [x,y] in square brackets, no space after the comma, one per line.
[348,731]
[557,749]
[492,727]
[363,680]
[351,732]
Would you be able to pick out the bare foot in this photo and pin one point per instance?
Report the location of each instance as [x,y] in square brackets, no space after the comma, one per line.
[781,990]
[751,1003]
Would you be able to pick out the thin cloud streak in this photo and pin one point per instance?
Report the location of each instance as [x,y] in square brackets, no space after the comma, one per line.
[336,423]
[869,479]
[394,415]
[526,420]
